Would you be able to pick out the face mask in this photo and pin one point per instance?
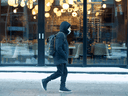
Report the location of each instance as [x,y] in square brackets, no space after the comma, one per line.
[69,31]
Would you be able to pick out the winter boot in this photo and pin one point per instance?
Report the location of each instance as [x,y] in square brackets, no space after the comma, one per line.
[44,84]
[64,89]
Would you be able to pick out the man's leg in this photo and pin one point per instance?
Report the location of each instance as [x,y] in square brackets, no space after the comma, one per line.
[63,79]
[55,75]
[64,75]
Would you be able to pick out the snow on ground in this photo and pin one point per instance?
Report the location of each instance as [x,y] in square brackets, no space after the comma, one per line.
[113,78]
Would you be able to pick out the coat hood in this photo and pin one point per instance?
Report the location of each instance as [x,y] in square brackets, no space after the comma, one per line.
[64,27]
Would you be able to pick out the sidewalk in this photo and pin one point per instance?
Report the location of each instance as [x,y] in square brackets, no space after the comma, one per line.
[47,69]
[28,84]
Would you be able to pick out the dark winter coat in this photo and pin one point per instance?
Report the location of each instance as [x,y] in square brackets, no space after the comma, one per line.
[61,45]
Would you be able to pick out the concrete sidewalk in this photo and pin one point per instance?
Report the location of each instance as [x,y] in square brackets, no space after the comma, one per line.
[28,84]
[47,69]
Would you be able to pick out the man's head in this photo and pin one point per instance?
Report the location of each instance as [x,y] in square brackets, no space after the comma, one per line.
[65,27]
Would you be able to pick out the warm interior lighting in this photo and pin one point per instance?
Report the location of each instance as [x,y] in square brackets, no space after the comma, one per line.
[90,0]
[34,17]
[74,14]
[76,9]
[89,12]
[63,10]
[11,2]
[97,13]
[104,5]
[65,6]
[34,0]
[58,13]
[55,10]
[70,1]
[118,0]
[22,4]
[81,1]
[51,1]
[34,11]
[16,3]
[48,4]
[36,7]
[15,11]
[30,4]
[70,10]
[47,15]
[47,8]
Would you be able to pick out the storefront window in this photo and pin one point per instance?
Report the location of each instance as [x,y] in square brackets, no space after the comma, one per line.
[71,11]
[107,32]
[18,39]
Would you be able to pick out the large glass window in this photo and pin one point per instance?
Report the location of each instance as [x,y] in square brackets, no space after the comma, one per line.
[57,11]
[18,39]
[107,32]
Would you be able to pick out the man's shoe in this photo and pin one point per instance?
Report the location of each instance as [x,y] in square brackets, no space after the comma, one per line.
[44,84]
[64,89]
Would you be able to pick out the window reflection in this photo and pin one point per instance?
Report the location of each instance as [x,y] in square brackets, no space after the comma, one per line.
[18,32]
[106,36]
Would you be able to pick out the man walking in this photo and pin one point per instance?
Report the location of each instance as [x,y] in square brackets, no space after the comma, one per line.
[60,58]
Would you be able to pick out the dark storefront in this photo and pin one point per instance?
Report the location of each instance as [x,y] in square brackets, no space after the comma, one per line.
[98,38]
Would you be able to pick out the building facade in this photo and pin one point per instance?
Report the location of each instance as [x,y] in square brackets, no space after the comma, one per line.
[98,37]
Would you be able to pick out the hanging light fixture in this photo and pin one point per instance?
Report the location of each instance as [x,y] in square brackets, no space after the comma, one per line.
[74,14]
[11,2]
[51,1]
[89,1]
[104,5]
[30,4]
[36,7]
[70,2]
[65,6]
[89,12]
[22,4]
[70,10]
[58,13]
[81,1]
[48,4]
[47,15]
[34,0]
[16,3]
[97,13]
[34,11]
[34,17]
[118,0]
[47,8]
[55,10]
[15,11]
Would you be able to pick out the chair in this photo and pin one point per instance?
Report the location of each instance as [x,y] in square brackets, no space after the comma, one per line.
[81,50]
[76,51]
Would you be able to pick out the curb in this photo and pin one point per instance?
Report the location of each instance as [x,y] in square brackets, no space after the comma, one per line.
[68,72]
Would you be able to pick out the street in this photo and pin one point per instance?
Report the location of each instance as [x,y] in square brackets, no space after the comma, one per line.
[28,84]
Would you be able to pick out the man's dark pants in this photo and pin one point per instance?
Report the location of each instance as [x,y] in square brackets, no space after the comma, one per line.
[61,71]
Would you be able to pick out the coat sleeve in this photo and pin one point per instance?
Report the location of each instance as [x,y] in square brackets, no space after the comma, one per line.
[59,46]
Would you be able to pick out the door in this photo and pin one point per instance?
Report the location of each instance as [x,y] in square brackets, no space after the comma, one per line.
[19,34]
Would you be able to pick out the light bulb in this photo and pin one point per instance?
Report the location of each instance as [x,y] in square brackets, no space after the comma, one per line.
[104,5]
[34,17]
[65,6]
[74,14]
[47,15]
[118,0]
[15,10]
